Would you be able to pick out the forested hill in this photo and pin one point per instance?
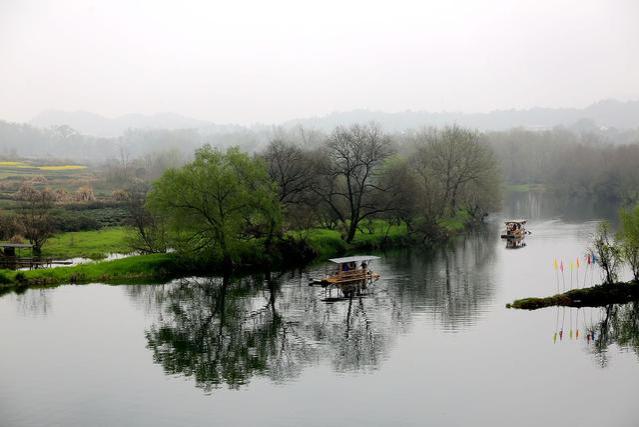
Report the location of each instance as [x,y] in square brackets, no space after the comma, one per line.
[64,141]
[607,114]
[97,125]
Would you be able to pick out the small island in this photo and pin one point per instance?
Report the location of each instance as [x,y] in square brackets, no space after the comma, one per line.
[596,296]
[610,252]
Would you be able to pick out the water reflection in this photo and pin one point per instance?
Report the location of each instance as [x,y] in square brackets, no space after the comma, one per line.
[455,283]
[616,325]
[515,243]
[223,331]
[599,328]
[542,206]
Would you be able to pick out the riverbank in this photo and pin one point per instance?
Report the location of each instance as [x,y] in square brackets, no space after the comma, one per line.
[596,296]
[94,244]
[140,268]
[295,248]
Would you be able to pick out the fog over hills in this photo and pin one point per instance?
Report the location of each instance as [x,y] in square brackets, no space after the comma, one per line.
[608,113]
[88,123]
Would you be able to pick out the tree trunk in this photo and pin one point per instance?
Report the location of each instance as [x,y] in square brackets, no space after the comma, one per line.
[352,229]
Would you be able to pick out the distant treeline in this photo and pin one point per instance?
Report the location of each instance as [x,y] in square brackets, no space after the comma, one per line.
[571,164]
[584,160]
[19,140]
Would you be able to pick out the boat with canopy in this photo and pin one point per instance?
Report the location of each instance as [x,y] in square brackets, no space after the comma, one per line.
[353,274]
[515,229]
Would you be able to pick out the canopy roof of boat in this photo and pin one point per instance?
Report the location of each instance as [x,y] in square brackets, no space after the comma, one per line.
[353,259]
[516,221]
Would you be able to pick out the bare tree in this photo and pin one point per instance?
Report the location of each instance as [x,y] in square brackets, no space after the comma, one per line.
[289,166]
[34,216]
[454,167]
[349,174]
[150,229]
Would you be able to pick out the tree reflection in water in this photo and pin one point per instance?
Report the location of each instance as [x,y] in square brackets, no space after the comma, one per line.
[618,324]
[454,283]
[223,332]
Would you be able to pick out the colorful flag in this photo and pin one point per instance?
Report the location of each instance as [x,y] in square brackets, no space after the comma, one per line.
[561,266]
[555,265]
[577,262]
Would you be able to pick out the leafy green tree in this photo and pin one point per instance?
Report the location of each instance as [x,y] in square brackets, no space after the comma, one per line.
[629,239]
[216,201]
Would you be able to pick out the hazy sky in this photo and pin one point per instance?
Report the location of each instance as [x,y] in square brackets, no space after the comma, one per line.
[268,61]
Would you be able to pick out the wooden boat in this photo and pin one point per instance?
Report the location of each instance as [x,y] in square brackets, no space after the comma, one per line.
[515,229]
[353,274]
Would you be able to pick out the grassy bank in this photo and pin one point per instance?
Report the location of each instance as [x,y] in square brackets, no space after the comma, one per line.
[136,268]
[297,248]
[88,244]
[524,188]
[596,296]
[376,235]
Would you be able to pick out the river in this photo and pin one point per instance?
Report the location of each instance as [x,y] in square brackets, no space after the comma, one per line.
[431,344]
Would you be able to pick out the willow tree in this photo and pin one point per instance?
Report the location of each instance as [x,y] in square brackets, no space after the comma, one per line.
[216,201]
[629,239]
[607,251]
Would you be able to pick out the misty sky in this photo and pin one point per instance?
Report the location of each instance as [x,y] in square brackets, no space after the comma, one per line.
[269,61]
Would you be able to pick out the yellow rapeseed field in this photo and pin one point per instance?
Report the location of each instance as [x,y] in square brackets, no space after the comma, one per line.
[19,164]
[62,167]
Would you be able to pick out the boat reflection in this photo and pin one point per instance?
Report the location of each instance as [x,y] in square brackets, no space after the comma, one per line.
[515,243]
[222,332]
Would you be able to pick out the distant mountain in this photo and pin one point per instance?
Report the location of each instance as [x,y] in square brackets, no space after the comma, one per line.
[94,124]
[608,113]
[603,114]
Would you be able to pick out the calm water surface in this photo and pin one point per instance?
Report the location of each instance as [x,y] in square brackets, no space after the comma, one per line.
[432,344]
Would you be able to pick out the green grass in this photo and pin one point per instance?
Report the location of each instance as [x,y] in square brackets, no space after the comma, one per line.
[324,243]
[88,244]
[455,224]
[596,296]
[378,233]
[524,188]
[374,235]
[132,269]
